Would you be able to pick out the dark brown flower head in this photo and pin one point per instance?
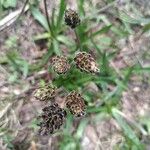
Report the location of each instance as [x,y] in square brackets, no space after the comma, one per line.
[53,117]
[45,93]
[75,103]
[60,64]
[72,18]
[85,62]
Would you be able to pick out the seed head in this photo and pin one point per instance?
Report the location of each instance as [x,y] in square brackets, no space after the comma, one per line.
[85,62]
[45,93]
[75,103]
[52,118]
[60,64]
[72,18]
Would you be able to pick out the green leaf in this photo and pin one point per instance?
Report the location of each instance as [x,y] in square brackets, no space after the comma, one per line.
[80,129]
[9,3]
[94,109]
[47,55]
[81,7]
[53,23]
[103,30]
[126,128]
[65,40]
[146,28]
[61,13]
[105,69]
[39,17]
[126,18]
[56,47]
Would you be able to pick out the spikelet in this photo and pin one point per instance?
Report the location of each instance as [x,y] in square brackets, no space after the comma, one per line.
[75,103]
[52,118]
[85,62]
[45,93]
[60,64]
[72,18]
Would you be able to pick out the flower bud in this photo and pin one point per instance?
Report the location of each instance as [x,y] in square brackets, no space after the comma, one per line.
[45,93]
[53,117]
[72,18]
[75,103]
[60,64]
[85,62]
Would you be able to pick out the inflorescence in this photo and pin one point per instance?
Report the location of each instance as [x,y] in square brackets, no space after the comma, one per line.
[72,18]
[53,117]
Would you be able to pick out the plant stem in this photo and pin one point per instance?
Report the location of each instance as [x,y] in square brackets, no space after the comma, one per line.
[24,6]
[47,17]
[77,40]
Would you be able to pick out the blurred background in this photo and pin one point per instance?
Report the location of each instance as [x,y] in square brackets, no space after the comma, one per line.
[116,33]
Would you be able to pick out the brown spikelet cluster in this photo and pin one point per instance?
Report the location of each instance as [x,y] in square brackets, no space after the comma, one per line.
[45,93]
[53,117]
[72,18]
[85,62]
[60,64]
[75,103]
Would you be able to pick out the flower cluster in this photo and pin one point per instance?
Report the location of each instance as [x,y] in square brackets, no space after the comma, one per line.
[53,117]
[84,62]
[60,64]
[45,93]
[75,103]
[72,18]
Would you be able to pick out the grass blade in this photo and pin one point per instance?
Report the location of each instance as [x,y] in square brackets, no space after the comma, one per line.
[61,13]
[129,133]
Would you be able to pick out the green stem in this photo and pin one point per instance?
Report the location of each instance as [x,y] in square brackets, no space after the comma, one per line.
[78,40]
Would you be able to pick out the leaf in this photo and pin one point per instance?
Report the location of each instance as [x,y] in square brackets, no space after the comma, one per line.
[103,30]
[56,47]
[94,109]
[133,20]
[47,56]
[62,8]
[39,17]
[81,7]
[105,69]
[80,129]
[128,75]
[13,77]
[126,128]
[146,28]
[24,67]
[140,69]
[9,3]
[126,18]
[53,23]
[65,40]
[119,31]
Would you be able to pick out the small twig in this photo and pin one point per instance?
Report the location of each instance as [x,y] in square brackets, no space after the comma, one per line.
[23,9]
[11,18]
